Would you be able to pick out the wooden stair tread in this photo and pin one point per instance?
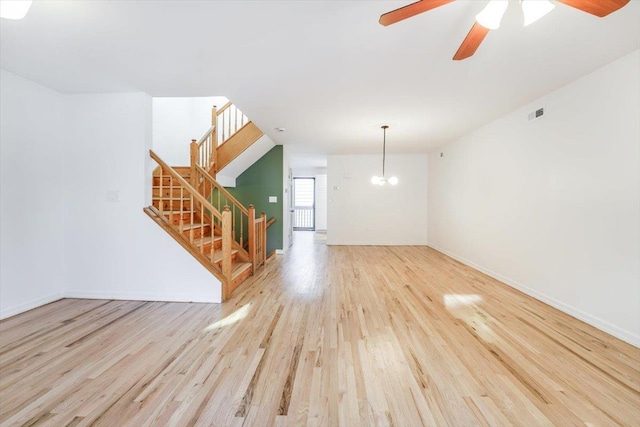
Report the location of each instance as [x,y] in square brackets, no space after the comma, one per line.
[206,240]
[217,256]
[178,212]
[166,187]
[239,267]
[166,212]
[169,198]
[194,225]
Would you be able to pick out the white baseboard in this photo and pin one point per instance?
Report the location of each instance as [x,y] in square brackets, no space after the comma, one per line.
[333,242]
[133,296]
[30,305]
[594,321]
[279,251]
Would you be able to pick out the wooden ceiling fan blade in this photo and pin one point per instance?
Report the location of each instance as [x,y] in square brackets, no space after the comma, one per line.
[599,8]
[471,42]
[411,10]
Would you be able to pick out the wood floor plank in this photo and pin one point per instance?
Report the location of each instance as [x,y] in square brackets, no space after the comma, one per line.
[324,336]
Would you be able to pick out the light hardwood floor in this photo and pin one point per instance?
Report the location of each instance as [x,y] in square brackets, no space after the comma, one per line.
[326,336]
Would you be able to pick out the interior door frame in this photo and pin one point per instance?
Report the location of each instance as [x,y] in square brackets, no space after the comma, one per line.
[313,210]
[290,202]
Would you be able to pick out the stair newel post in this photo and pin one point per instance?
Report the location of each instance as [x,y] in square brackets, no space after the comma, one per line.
[252,237]
[214,142]
[194,161]
[264,237]
[226,247]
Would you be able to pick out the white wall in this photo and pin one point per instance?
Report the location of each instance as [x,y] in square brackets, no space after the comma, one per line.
[360,213]
[114,250]
[61,156]
[32,195]
[176,121]
[551,206]
[308,172]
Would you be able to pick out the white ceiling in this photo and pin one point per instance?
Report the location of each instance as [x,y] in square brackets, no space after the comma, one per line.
[324,70]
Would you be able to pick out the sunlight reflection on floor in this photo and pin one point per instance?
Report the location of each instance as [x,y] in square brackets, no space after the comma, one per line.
[457,300]
[465,307]
[234,317]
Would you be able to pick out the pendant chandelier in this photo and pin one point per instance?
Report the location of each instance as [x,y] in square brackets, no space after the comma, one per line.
[382,180]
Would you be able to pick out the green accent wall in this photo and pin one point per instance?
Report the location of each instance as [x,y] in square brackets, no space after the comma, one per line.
[254,186]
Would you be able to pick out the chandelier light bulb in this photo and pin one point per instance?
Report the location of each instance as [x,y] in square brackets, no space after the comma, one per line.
[393,180]
[492,14]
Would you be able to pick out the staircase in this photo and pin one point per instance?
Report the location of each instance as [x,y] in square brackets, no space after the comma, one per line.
[200,214]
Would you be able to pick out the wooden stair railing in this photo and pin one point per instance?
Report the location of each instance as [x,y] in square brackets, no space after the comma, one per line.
[258,241]
[231,133]
[236,144]
[269,224]
[192,220]
[203,153]
[243,220]
[229,119]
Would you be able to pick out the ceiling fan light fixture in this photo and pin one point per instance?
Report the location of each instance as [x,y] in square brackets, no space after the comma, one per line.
[535,9]
[14,9]
[491,16]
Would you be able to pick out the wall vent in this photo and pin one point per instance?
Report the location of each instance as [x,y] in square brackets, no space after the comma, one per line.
[539,113]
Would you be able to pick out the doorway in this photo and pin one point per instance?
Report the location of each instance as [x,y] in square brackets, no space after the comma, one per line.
[304,197]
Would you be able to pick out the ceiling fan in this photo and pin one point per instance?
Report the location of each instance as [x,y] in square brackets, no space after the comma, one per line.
[491,15]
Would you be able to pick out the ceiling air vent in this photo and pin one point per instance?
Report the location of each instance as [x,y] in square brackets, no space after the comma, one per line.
[539,113]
